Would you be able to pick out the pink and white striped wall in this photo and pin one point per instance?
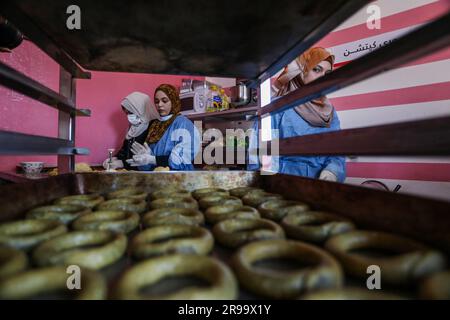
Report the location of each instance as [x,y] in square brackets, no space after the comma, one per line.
[418,90]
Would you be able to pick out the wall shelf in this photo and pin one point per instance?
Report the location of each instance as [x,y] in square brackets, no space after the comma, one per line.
[232,114]
[21,83]
[14,143]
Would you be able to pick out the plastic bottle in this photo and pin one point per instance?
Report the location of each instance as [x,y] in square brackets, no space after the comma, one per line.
[214,100]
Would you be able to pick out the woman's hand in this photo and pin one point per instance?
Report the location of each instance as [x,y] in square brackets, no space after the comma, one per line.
[143,155]
[327,175]
[141,160]
[115,163]
[139,149]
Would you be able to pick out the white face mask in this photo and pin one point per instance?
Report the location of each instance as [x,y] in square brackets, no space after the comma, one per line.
[134,119]
[165,118]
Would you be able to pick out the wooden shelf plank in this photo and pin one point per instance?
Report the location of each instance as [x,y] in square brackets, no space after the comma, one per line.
[19,82]
[224,114]
[429,137]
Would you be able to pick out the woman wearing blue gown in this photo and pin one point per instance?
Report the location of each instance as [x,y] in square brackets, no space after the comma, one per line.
[314,117]
[172,140]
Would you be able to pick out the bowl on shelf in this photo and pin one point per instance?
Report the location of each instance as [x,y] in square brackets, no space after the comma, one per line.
[32,167]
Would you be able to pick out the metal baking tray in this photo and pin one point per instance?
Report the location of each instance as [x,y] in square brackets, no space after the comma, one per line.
[423,219]
[238,38]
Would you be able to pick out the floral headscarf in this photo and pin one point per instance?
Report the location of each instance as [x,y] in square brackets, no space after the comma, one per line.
[317,112]
[157,127]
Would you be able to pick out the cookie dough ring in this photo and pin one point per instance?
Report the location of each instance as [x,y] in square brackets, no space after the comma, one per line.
[174,202]
[411,262]
[28,284]
[233,233]
[223,285]
[67,249]
[131,193]
[223,212]
[26,234]
[322,270]
[278,209]
[170,194]
[171,239]
[315,226]
[116,221]
[157,217]
[64,213]
[11,261]
[256,198]
[123,204]
[86,200]
[204,192]
[436,287]
[211,201]
[350,294]
[242,191]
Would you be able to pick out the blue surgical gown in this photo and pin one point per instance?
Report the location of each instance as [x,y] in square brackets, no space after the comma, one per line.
[180,143]
[290,124]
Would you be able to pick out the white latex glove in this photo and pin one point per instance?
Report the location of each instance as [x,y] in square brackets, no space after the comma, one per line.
[143,155]
[139,149]
[327,176]
[115,164]
[141,160]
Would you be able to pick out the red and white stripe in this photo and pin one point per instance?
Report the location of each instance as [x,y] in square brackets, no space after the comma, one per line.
[417,90]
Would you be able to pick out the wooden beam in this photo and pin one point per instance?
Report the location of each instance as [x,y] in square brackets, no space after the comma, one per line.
[429,137]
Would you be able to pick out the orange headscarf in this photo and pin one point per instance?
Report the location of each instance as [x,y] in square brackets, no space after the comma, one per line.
[313,57]
[318,112]
[297,69]
[157,127]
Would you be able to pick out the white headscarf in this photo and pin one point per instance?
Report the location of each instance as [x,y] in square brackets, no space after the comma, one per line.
[139,104]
